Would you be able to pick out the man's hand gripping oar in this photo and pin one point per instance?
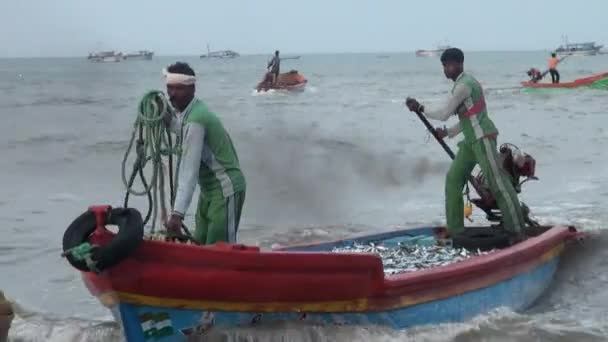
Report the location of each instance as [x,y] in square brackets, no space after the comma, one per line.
[439,134]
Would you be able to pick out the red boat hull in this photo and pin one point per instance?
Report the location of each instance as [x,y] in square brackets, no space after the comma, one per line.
[287,81]
[227,277]
[581,82]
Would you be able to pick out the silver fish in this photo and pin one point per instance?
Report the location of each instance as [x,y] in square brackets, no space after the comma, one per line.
[408,257]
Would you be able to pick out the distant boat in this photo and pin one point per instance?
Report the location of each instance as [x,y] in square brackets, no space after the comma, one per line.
[220,54]
[105,56]
[599,81]
[292,57]
[139,55]
[432,53]
[291,80]
[578,49]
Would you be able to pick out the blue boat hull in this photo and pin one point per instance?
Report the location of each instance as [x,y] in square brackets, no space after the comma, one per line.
[145,323]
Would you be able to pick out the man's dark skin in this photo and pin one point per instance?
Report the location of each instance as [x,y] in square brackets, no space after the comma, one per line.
[451,70]
[180,96]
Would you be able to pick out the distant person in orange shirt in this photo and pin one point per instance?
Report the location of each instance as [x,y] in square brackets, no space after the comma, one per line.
[553,61]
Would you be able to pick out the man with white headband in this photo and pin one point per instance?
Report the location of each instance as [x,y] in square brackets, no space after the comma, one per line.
[208,158]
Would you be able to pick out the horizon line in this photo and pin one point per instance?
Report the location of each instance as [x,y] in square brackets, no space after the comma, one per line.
[288,54]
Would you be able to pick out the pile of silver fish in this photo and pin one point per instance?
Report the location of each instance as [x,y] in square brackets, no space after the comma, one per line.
[411,257]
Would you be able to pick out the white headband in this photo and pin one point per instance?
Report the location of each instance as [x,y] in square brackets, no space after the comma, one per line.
[171,78]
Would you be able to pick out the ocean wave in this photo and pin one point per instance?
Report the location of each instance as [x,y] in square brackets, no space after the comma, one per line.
[43,139]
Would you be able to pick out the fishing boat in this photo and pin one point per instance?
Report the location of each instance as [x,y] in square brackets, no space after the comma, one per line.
[578,49]
[163,290]
[290,57]
[433,52]
[220,54]
[139,55]
[166,291]
[105,56]
[291,80]
[599,81]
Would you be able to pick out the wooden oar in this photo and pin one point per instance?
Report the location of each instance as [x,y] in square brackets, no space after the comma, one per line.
[449,151]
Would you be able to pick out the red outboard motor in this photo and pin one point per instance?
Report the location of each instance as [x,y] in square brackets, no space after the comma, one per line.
[517,164]
[534,74]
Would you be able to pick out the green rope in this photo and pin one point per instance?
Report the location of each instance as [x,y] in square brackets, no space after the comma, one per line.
[79,252]
[82,252]
[152,146]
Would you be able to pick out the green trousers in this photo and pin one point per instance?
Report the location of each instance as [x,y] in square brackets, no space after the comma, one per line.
[217,218]
[482,152]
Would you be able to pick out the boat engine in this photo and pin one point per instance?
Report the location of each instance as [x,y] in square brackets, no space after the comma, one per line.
[515,163]
[534,74]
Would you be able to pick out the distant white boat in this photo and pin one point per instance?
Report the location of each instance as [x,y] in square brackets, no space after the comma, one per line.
[105,57]
[139,55]
[290,57]
[578,49]
[432,53]
[113,56]
[220,54]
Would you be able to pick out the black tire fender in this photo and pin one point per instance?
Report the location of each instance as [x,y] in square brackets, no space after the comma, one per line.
[123,244]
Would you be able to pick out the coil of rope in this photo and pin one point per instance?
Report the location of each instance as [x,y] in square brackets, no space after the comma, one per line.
[152,140]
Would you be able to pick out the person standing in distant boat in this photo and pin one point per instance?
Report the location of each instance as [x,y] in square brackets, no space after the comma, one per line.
[553,61]
[274,67]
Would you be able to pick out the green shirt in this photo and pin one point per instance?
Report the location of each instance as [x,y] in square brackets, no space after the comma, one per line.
[208,157]
[469,104]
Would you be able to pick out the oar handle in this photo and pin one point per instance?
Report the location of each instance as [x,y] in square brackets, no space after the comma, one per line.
[432,130]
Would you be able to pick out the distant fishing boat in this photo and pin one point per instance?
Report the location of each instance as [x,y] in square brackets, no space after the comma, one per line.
[139,55]
[598,81]
[432,53]
[578,49]
[291,80]
[220,54]
[105,56]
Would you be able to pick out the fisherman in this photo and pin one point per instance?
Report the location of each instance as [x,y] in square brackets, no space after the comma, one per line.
[274,67]
[553,61]
[477,147]
[208,158]
[535,75]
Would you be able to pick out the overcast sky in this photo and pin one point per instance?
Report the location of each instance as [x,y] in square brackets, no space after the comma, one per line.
[184,27]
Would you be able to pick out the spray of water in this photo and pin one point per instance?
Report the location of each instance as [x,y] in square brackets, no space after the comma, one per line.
[302,175]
